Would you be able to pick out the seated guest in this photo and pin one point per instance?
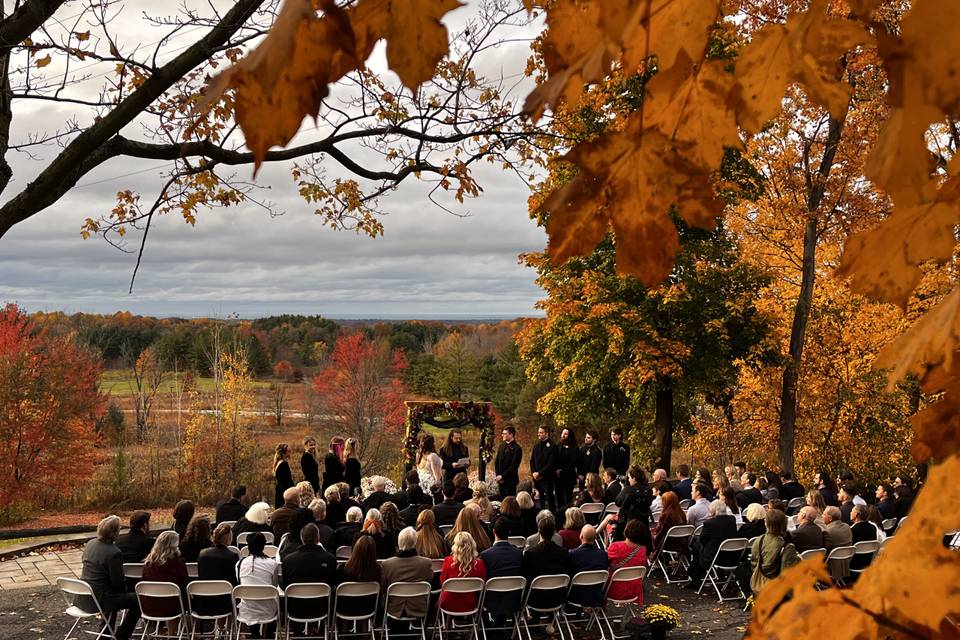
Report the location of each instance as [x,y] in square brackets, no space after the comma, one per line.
[461,488]
[182,515]
[592,490]
[789,487]
[392,524]
[469,521]
[836,533]
[510,511]
[658,476]
[136,544]
[546,557]
[165,564]
[534,540]
[307,494]
[903,500]
[232,508]
[572,527]
[629,552]
[778,504]
[733,474]
[717,528]
[729,498]
[771,553]
[659,488]
[361,567]
[748,493]
[258,569]
[280,518]
[103,571]
[319,509]
[671,515]
[826,487]
[257,518]
[847,493]
[429,542]
[217,563]
[500,560]
[634,502]
[753,521]
[611,486]
[463,562]
[876,519]
[808,534]
[528,514]
[815,500]
[418,501]
[309,562]
[376,499]
[588,556]
[374,528]
[347,532]
[482,500]
[862,529]
[720,482]
[346,495]
[885,503]
[446,512]
[291,541]
[700,510]
[406,566]
[336,510]
[196,539]
[684,486]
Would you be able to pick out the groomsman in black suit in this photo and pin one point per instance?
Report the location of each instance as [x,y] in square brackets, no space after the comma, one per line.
[543,466]
[616,455]
[507,463]
[590,457]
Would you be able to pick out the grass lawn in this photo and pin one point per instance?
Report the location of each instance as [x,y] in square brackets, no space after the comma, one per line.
[120,383]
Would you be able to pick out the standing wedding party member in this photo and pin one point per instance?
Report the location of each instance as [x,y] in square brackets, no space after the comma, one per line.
[429,465]
[281,471]
[590,457]
[567,454]
[308,463]
[616,455]
[351,465]
[333,470]
[507,463]
[543,466]
[455,455]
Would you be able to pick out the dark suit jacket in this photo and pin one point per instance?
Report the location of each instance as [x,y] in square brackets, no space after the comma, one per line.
[309,563]
[376,500]
[846,511]
[791,490]
[326,534]
[748,496]
[446,512]
[863,532]
[230,509]
[887,508]
[805,537]
[588,460]
[507,462]
[547,558]
[715,530]
[345,535]
[588,557]
[754,529]
[610,493]
[502,559]
[411,513]
[218,563]
[134,546]
[543,460]
[683,489]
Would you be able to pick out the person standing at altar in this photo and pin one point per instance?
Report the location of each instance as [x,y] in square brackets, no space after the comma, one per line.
[308,463]
[616,455]
[333,470]
[507,463]
[543,466]
[567,454]
[455,455]
[590,457]
[281,472]
[351,466]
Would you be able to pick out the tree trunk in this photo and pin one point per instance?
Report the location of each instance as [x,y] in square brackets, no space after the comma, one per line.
[816,186]
[663,428]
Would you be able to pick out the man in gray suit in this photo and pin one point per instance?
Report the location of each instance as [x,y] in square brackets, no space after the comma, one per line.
[808,534]
[836,533]
[406,566]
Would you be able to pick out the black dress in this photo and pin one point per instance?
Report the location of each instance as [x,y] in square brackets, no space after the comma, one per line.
[332,470]
[284,481]
[567,455]
[352,474]
[311,470]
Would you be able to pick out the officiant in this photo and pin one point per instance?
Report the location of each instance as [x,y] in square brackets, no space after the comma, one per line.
[455,455]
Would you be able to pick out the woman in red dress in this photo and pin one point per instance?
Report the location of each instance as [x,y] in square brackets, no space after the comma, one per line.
[630,552]
[463,562]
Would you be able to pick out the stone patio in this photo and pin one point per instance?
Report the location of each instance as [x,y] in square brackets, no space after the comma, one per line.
[39,570]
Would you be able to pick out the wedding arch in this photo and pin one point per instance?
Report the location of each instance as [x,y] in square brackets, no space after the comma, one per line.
[450,414]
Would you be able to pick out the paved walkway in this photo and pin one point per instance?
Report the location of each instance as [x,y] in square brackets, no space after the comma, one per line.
[39,570]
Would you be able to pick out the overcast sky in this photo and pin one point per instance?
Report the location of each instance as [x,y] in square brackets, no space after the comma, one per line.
[428,264]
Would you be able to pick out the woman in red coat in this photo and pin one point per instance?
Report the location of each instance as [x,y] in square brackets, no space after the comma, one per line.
[628,553]
[165,564]
[463,562]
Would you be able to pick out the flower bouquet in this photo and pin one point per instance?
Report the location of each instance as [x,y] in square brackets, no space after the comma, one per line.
[661,619]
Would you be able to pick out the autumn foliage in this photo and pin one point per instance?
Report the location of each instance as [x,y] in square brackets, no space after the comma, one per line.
[49,406]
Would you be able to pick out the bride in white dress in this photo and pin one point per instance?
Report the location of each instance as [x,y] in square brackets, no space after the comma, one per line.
[429,465]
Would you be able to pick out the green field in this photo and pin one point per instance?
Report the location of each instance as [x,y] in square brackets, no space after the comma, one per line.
[120,383]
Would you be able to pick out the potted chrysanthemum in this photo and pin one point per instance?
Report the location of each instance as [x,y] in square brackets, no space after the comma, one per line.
[661,619]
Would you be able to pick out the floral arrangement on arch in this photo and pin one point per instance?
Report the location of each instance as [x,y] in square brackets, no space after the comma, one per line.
[366,485]
[480,415]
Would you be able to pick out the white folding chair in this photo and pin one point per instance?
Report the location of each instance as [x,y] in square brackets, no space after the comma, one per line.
[814,553]
[229,523]
[270,550]
[205,595]
[900,524]
[550,593]
[235,549]
[592,512]
[407,591]
[460,586]
[244,552]
[344,552]
[347,590]
[838,562]
[621,575]
[72,589]
[686,504]
[596,580]
[154,591]
[673,550]
[794,505]
[502,587]
[242,538]
[655,517]
[192,570]
[317,596]
[257,593]
[133,570]
[889,525]
[863,555]
[518,541]
[726,560]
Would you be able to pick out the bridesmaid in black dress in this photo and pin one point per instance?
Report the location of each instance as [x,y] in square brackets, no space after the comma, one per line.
[351,466]
[281,471]
[333,469]
[309,465]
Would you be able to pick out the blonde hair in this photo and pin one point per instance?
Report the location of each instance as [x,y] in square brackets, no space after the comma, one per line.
[468,521]
[594,485]
[279,452]
[373,524]
[574,519]
[754,512]
[525,500]
[332,493]
[108,529]
[306,492]
[350,448]
[258,513]
[429,541]
[166,548]
[464,552]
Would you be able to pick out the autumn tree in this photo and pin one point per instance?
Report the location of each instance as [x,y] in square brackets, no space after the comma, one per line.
[148,377]
[50,403]
[455,369]
[361,389]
